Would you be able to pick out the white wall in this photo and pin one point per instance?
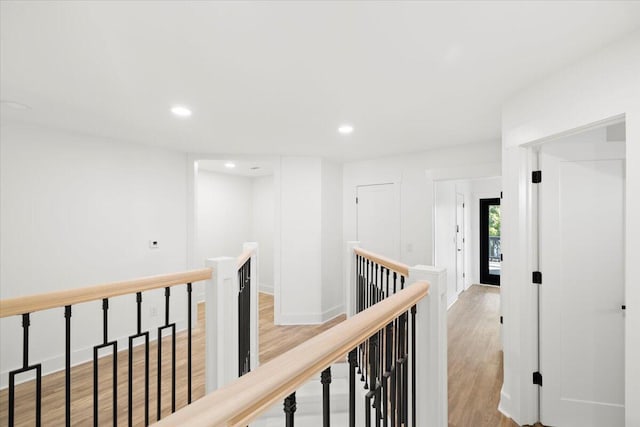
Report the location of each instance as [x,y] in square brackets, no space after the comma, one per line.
[262,228]
[444,234]
[601,86]
[332,243]
[77,211]
[298,298]
[223,214]
[416,174]
[310,287]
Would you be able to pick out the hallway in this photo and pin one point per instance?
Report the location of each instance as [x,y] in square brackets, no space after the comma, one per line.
[475,359]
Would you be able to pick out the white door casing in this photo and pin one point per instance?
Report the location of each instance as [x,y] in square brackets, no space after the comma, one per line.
[581,231]
[460,252]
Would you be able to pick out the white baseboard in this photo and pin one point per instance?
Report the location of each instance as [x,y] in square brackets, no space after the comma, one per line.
[79,356]
[311,318]
[452,302]
[505,401]
[265,288]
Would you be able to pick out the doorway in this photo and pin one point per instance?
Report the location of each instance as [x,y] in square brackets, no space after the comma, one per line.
[490,248]
[581,246]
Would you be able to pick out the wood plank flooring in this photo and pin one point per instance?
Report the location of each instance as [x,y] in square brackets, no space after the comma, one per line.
[274,340]
[475,359]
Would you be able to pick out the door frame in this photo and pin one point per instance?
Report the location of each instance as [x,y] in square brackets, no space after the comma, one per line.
[460,228]
[485,276]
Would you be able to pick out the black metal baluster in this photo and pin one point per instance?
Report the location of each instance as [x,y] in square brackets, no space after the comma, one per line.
[352,387]
[26,322]
[401,401]
[388,271]
[289,409]
[394,362]
[105,343]
[145,335]
[325,380]
[172,326]
[413,366]
[67,365]
[405,370]
[372,394]
[189,304]
[388,332]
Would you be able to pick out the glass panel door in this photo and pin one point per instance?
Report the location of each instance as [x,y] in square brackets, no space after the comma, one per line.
[490,262]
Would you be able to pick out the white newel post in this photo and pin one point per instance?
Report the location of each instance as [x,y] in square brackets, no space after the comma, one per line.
[221,317]
[255,280]
[431,348]
[350,278]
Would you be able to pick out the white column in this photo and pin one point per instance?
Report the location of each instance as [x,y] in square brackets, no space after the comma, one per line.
[221,317]
[431,348]
[350,278]
[255,280]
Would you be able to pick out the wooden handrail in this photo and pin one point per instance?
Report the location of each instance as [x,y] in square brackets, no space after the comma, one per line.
[244,256]
[242,401]
[384,261]
[38,302]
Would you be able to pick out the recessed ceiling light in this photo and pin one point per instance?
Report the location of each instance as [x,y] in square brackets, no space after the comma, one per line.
[15,105]
[181,111]
[345,129]
[229,165]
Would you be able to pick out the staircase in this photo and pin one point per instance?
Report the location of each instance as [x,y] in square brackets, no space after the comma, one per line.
[309,402]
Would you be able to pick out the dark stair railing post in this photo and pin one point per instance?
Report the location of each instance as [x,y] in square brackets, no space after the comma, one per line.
[353,360]
[413,366]
[325,379]
[96,349]
[145,335]
[172,326]
[289,409]
[26,322]
[67,366]
[189,304]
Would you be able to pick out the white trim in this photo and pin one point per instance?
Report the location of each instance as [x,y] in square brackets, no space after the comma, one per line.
[265,288]
[312,318]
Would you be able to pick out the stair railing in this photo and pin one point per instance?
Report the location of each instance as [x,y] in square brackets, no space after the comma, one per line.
[241,401]
[67,299]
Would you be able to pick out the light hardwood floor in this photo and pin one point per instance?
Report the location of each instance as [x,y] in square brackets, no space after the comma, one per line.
[475,369]
[475,359]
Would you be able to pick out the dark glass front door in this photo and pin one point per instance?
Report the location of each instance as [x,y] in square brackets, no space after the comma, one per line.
[490,261]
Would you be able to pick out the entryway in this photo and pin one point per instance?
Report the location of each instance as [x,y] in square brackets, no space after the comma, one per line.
[581,263]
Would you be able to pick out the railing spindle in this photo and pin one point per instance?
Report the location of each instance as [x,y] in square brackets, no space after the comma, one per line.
[325,380]
[413,366]
[352,387]
[145,335]
[189,358]
[290,409]
[172,326]
[105,343]
[67,365]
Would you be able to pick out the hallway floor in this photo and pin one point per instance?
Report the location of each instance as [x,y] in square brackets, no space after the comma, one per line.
[475,359]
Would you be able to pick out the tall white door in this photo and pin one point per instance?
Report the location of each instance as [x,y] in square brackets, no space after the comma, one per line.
[582,264]
[460,276]
[378,212]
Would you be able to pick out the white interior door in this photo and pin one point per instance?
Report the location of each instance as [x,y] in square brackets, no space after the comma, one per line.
[582,264]
[460,276]
[378,223]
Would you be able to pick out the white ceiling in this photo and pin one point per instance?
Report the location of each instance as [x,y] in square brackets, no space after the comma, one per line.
[280,77]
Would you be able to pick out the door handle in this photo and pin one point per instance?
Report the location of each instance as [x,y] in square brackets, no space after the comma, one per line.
[623,306]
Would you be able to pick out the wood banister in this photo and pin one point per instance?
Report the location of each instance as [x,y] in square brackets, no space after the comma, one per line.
[384,261]
[242,401]
[38,302]
[243,257]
